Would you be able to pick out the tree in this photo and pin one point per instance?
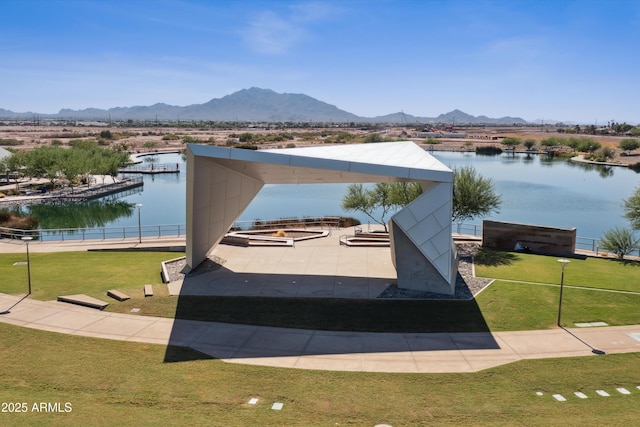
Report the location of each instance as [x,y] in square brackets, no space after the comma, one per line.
[603,154]
[473,195]
[511,143]
[629,144]
[620,241]
[631,207]
[529,143]
[373,137]
[368,201]
[550,143]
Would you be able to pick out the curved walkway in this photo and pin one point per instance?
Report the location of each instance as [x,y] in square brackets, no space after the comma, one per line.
[309,349]
[323,350]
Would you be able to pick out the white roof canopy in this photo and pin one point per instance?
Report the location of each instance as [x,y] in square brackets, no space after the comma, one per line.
[221,182]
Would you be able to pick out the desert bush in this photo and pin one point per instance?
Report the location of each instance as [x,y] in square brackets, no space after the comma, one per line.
[14,220]
[488,150]
[602,154]
[620,241]
[10,141]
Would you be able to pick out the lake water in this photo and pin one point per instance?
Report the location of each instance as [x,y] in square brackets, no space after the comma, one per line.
[534,190]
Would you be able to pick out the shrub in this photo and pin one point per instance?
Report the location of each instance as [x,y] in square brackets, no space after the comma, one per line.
[488,150]
[603,154]
[620,241]
[629,144]
[9,141]
[13,220]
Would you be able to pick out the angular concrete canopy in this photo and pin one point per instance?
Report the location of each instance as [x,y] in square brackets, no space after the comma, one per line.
[222,182]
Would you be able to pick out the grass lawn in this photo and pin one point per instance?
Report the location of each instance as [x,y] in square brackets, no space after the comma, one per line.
[91,273]
[505,305]
[508,306]
[109,382]
[603,273]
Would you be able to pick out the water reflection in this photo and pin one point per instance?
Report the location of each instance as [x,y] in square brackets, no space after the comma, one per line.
[95,213]
[605,171]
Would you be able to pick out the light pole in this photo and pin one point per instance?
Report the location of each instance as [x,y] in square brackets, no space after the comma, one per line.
[139,205]
[564,263]
[27,239]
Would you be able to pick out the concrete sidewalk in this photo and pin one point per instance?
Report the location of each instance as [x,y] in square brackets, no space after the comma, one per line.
[319,267]
[323,350]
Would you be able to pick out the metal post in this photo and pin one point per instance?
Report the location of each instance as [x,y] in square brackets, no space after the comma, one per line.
[26,240]
[564,263]
[139,205]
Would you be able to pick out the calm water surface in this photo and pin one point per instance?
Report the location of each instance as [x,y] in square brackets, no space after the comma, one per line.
[534,190]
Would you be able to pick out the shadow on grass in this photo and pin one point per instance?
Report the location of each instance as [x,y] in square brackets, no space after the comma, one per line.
[184,354]
[493,258]
[295,326]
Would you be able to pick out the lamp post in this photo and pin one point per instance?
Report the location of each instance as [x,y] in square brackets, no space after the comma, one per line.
[27,239]
[564,263]
[139,205]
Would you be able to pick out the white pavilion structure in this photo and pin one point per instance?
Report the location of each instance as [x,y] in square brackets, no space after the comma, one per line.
[222,182]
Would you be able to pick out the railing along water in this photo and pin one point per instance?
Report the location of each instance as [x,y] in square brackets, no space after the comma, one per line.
[179,230]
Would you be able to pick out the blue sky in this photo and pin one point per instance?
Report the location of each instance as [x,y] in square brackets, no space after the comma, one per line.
[554,60]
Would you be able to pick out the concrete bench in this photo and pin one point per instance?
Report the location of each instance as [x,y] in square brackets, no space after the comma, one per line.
[84,300]
[235,240]
[118,295]
[148,290]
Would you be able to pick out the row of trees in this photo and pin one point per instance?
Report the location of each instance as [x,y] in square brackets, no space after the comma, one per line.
[473,196]
[83,158]
[580,144]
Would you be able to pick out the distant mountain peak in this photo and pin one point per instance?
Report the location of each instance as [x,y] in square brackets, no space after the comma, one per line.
[254,105]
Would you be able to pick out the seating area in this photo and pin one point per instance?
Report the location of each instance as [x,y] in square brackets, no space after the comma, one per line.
[117,295]
[148,291]
[84,300]
[360,238]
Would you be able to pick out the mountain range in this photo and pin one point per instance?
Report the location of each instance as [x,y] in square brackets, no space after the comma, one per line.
[256,105]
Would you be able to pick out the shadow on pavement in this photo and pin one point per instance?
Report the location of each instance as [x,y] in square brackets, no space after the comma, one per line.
[229,315]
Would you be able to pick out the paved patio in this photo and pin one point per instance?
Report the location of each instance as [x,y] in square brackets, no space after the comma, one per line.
[318,267]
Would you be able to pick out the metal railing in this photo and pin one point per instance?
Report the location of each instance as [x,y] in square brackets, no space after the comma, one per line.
[311,222]
[97,233]
[151,167]
[179,230]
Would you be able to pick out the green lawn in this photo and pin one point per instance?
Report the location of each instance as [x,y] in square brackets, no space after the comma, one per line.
[110,382]
[505,305]
[91,273]
[604,273]
[509,306]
